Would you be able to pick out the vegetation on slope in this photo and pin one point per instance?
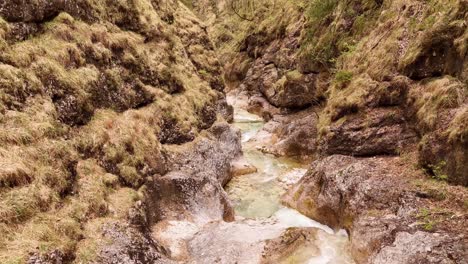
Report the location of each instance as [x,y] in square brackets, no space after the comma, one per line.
[88,95]
[405,55]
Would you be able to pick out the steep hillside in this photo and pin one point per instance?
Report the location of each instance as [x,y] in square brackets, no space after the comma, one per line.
[115,145]
[375,92]
[404,61]
[91,92]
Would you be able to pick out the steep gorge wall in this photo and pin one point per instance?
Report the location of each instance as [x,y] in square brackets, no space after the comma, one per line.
[387,74]
[388,81]
[94,95]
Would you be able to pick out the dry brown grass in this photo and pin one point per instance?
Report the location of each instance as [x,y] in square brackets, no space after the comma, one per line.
[81,110]
[395,39]
[458,128]
[435,96]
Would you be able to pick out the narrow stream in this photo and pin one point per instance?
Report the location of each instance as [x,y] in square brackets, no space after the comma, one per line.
[257,195]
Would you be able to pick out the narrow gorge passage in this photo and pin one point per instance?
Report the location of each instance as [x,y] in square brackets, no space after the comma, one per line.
[167,131]
[257,195]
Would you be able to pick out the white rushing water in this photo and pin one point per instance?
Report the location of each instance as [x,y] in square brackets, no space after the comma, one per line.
[257,196]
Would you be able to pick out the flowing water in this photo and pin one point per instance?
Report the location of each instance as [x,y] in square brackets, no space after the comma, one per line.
[257,196]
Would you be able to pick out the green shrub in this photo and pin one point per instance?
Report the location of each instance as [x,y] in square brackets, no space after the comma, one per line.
[438,170]
[343,77]
[319,9]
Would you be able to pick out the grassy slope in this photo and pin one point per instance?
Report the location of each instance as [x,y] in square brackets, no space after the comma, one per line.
[82,108]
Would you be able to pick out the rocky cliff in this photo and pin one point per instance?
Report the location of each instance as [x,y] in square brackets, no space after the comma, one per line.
[96,99]
[115,146]
[385,74]
[375,92]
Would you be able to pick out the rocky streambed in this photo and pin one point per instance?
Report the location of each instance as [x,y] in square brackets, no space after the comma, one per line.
[261,230]
[257,195]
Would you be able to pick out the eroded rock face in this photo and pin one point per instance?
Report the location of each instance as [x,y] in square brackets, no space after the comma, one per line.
[267,64]
[290,134]
[439,108]
[193,189]
[373,200]
[436,53]
[94,90]
[290,89]
[130,246]
[379,131]
[444,158]
[352,185]
[182,196]
[253,241]
[424,247]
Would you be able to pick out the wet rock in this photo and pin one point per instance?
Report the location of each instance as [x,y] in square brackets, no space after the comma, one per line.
[237,242]
[260,241]
[241,167]
[182,196]
[193,188]
[174,236]
[258,105]
[238,98]
[378,131]
[287,247]
[252,241]
[372,199]
[226,110]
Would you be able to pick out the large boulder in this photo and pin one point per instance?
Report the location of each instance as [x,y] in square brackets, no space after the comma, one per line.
[209,155]
[182,196]
[290,134]
[389,220]
[337,188]
[198,170]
